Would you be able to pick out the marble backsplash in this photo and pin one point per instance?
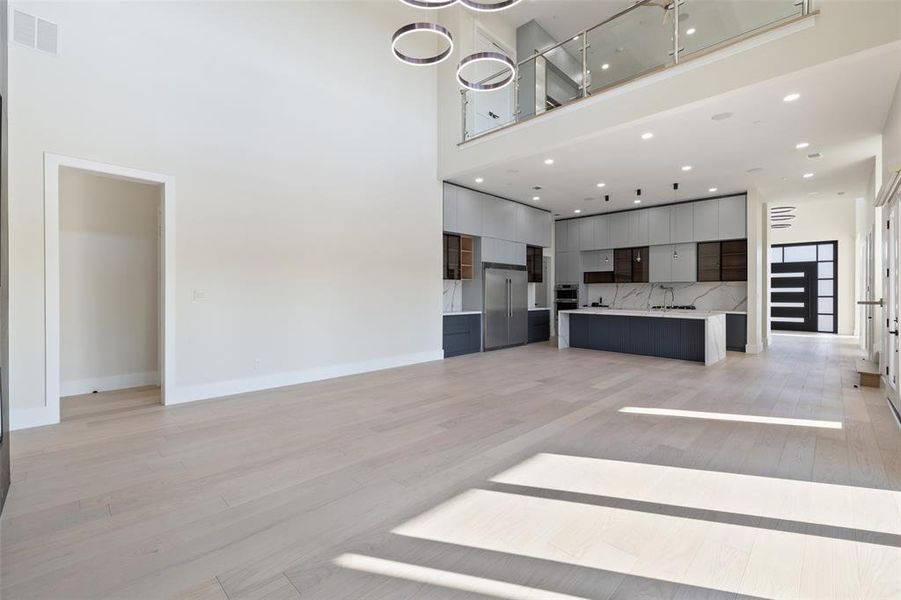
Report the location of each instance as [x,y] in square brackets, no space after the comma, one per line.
[453,295]
[703,295]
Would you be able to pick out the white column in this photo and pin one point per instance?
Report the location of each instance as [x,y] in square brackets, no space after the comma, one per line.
[758,273]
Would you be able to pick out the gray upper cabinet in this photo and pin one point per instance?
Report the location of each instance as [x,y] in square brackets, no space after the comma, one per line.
[561,231]
[450,208]
[732,218]
[586,233]
[685,263]
[469,212]
[602,232]
[706,220]
[673,263]
[659,225]
[568,267]
[619,230]
[500,218]
[682,223]
[503,251]
[660,264]
[473,213]
[638,228]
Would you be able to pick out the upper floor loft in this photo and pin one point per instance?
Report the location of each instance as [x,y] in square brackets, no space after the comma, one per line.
[650,58]
[645,38]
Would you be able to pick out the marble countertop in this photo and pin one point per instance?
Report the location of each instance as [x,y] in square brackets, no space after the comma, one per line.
[671,314]
[540,308]
[462,312]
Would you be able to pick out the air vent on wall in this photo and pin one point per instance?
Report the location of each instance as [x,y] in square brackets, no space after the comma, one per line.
[35,32]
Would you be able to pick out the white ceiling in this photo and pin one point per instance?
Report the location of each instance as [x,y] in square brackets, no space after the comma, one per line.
[841,113]
[564,18]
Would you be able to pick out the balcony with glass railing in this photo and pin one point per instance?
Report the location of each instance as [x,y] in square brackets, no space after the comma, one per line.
[649,37]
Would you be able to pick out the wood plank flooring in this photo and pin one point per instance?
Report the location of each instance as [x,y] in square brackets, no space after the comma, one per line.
[509,474]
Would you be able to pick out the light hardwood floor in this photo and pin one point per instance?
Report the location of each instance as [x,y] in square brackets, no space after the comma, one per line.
[510,474]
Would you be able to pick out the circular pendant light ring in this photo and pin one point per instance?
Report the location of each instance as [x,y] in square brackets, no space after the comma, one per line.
[495,57]
[435,28]
[429,4]
[488,6]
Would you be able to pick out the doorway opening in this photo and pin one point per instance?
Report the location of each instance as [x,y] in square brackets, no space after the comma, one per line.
[803,289]
[109,281]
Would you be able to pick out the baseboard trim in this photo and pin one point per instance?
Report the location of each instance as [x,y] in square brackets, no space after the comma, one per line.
[753,348]
[76,387]
[184,394]
[26,418]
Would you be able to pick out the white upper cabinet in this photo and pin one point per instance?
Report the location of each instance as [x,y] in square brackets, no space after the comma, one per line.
[685,263]
[706,220]
[561,231]
[682,223]
[545,223]
[450,208]
[503,251]
[568,267]
[602,232]
[732,218]
[638,228]
[586,233]
[619,230]
[659,225]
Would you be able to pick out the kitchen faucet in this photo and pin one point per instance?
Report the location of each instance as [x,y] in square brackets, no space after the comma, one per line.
[672,295]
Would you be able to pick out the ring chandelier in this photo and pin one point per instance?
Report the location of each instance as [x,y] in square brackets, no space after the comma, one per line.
[478,58]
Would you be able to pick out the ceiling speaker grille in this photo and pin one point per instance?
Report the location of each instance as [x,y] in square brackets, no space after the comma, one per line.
[24,28]
[33,32]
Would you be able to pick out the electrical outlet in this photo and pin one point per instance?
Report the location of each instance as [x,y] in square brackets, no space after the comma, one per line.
[258,364]
[199,295]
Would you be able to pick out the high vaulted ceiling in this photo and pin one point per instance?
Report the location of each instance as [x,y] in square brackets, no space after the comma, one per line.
[841,113]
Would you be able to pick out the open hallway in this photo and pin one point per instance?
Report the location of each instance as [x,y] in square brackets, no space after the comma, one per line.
[509,474]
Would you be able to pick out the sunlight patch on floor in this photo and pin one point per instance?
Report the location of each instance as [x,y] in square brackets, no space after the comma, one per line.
[714,416]
[720,556]
[447,579]
[783,499]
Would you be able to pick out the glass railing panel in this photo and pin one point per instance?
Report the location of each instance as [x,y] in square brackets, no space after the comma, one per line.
[707,23]
[485,111]
[550,79]
[634,43]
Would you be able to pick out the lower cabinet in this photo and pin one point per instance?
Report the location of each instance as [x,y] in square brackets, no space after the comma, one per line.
[648,336]
[462,334]
[736,332]
[539,326]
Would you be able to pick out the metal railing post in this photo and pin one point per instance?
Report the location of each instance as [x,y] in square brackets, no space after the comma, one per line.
[584,64]
[676,4]
[463,102]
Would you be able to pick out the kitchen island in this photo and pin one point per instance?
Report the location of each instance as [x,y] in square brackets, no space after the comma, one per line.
[681,334]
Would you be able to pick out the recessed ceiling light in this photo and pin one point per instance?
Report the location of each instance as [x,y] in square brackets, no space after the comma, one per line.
[691,31]
[686,168]
[479,180]
[605,66]
[578,211]
[647,136]
[536,198]
[808,175]
[600,185]
[791,97]
[549,161]
[802,145]
[711,190]
[637,201]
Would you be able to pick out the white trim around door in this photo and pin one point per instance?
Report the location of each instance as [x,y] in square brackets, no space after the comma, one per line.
[52,165]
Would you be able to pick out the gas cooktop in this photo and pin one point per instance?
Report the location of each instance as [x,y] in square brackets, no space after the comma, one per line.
[674,308]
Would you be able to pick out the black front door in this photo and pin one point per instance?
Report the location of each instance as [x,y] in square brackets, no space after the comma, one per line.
[793,296]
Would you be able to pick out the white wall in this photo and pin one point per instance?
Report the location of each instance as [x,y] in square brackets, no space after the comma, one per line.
[308,206]
[891,137]
[827,220]
[109,283]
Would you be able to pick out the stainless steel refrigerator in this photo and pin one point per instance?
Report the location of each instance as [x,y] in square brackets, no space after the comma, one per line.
[506,306]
